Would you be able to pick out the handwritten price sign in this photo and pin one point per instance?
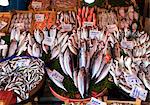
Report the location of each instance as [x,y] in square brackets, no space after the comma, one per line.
[138,92]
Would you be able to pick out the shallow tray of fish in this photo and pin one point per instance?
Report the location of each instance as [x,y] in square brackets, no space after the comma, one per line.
[22,75]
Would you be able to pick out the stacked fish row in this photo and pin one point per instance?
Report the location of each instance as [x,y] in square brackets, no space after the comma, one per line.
[22,75]
[124,17]
[23,20]
[135,63]
[86,14]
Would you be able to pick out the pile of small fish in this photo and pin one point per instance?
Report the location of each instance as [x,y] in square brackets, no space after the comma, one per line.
[23,20]
[86,14]
[22,75]
[65,18]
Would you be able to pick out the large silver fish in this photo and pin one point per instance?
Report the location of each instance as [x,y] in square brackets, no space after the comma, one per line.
[81,81]
[104,72]
[97,63]
[67,63]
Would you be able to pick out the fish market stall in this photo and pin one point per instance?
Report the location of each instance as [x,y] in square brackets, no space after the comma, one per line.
[75,51]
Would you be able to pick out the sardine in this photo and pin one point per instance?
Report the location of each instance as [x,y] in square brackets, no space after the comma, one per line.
[55,52]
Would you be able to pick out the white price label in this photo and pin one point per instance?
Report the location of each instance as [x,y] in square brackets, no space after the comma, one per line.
[22,63]
[112,28]
[138,92]
[57,76]
[132,80]
[2,24]
[95,101]
[48,41]
[94,33]
[127,44]
[36,5]
[39,17]
[88,24]
[67,27]
[19,25]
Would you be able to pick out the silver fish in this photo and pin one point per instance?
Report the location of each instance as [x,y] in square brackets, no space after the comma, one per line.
[97,63]
[12,48]
[37,36]
[104,73]
[67,65]
[55,52]
[36,50]
[81,83]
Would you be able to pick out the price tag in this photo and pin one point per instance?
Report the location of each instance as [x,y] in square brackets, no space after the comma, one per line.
[132,80]
[88,24]
[138,92]
[48,41]
[95,101]
[112,28]
[2,24]
[127,44]
[94,33]
[56,75]
[22,63]
[39,17]
[67,27]
[19,25]
[36,5]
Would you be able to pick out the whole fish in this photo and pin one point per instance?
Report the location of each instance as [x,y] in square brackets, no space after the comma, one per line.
[103,63]
[12,48]
[12,34]
[36,50]
[72,49]
[37,36]
[64,40]
[81,81]
[4,51]
[97,63]
[53,33]
[75,77]
[104,73]
[64,48]
[55,52]
[67,63]
[17,34]
[29,49]
[22,48]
